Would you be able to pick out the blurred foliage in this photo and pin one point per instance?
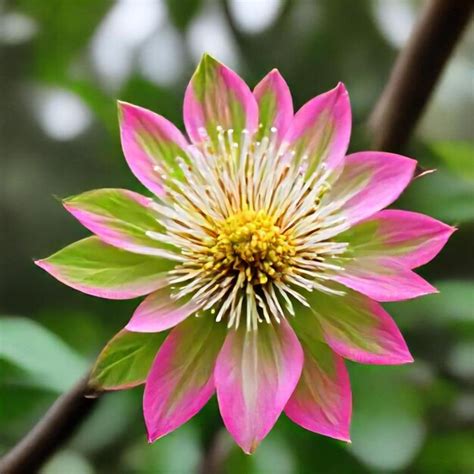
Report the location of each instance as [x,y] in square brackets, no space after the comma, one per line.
[66,64]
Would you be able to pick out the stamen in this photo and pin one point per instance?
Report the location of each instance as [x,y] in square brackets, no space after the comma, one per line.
[252,232]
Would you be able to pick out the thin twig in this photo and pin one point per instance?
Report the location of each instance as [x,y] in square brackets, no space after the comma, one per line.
[52,431]
[416,72]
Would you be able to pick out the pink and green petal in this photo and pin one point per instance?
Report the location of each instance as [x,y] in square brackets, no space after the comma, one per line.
[275,105]
[151,145]
[120,218]
[125,361]
[99,269]
[159,312]
[383,279]
[370,181]
[321,129]
[359,329]
[256,373]
[322,400]
[217,97]
[181,378]
[409,238]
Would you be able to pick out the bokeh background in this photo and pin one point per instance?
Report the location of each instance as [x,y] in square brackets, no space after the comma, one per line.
[63,64]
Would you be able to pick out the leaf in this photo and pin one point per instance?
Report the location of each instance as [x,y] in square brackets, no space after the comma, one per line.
[125,360]
[46,360]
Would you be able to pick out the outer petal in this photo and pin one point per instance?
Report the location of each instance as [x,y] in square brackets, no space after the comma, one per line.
[256,372]
[359,329]
[150,144]
[119,217]
[370,181]
[321,129]
[217,96]
[322,401]
[409,238]
[383,279]
[181,379]
[98,269]
[125,361]
[159,312]
[274,103]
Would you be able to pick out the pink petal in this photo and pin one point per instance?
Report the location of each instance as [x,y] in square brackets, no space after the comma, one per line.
[369,182]
[180,381]
[321,129]
[275,104]
[410,238]
[120,218]
[322,401]
[359,329]
[256,373]
[98,269]
[158,312]
[383,279]
[217,96]
[150,144]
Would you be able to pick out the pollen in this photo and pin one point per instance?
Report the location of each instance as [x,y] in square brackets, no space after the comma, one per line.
[251,242]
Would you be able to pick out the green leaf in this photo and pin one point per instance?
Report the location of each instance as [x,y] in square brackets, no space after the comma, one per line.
[46,360]
[125,360]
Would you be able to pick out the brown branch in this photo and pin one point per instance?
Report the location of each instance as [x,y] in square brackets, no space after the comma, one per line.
[52,431]
[417,71]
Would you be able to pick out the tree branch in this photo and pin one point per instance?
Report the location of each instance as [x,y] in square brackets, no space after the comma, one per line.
[52,431]
[416,72]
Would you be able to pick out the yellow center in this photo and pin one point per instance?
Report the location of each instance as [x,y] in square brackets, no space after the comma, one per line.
[251,242]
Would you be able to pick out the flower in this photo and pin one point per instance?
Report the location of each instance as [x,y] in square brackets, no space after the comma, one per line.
[264,249]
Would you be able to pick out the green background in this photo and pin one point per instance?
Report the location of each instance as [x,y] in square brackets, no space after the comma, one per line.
[63,64]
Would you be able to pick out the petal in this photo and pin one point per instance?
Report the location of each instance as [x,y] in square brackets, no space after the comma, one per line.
[359,329]
[217,96]
[383,279]
[322,400]
[125,361]
[274,103]
[256,372]
[321,129]
[98,269]
[370,181]
[410,238]
[181,379]
[158,312]
[119,217]
[150,144]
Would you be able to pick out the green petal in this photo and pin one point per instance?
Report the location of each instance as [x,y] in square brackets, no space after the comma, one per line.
[125,361]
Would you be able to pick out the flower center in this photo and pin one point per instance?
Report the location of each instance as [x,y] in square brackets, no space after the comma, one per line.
[251,242]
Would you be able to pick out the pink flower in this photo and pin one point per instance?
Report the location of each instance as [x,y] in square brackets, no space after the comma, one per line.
[265,250]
